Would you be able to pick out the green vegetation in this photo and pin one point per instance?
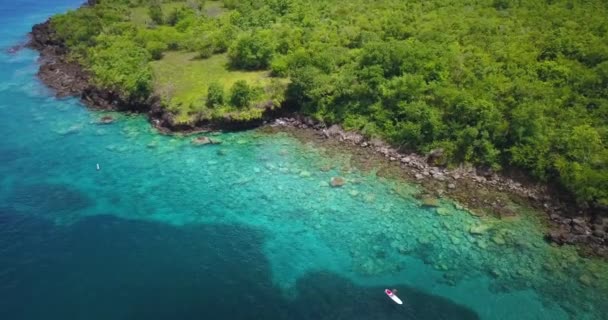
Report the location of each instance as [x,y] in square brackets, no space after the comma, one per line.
[215,95]
[182,80]
[491,82]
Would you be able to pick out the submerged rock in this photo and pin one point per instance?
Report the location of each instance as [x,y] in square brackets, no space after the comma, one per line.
[202,140]
[495,273]
[71,130]
[479,229]
[369,198]
[199,141]
[498,240]
[304,174]
[430,202]
[585,279]
[482,244]
[337,182]
[443,212]
[106,120]
[326,168]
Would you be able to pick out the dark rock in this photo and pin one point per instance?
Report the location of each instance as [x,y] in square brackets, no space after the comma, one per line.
[334,130]
[486,172]
[353,137]
[377,143]
[202,140]
[16,48]
[438,176]
[561,237]
[479,179]
[435,157]
[581,230]
[308,121]
[555,217]
[579,222]
[106,120]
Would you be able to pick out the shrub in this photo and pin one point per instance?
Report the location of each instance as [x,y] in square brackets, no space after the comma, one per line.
[215,95]
[240,94]
[155,11]
[251,51]
[156,49]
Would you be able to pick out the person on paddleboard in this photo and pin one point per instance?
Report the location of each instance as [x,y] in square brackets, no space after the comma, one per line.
[391,293]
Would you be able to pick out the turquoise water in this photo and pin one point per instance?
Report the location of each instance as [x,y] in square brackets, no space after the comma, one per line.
[249,229]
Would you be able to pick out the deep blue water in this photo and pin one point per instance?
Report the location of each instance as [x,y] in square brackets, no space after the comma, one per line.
[245,230]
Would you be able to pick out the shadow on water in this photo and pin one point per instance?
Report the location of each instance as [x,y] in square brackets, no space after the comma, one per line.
[109,268]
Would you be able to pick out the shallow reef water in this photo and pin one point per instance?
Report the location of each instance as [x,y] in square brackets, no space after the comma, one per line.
[250,228]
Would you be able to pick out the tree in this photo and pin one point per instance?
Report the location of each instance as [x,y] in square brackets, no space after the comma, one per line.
[155,11]
[205,46]
[240,94]
[252,51]
[122,66]
[215,95]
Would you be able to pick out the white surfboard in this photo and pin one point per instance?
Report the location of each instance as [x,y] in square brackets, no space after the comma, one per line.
[393,296]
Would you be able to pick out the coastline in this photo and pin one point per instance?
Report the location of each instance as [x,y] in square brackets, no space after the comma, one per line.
[70,79]
[568,223]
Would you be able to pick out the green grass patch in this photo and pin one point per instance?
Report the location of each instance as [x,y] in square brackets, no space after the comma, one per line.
[181,80]
[214,8]
[140,16]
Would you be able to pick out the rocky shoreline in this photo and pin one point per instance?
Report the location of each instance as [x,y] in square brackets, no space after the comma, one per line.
[585,227]
[70,79]
[568,224]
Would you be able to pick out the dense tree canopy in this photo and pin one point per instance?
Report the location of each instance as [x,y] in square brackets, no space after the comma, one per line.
[491,82]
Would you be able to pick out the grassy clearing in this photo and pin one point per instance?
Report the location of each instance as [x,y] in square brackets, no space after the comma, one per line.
[182,80]
[139,15]
[214,8]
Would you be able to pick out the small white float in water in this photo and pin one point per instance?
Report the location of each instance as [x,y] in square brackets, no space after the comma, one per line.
[393,297]
[98,167]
